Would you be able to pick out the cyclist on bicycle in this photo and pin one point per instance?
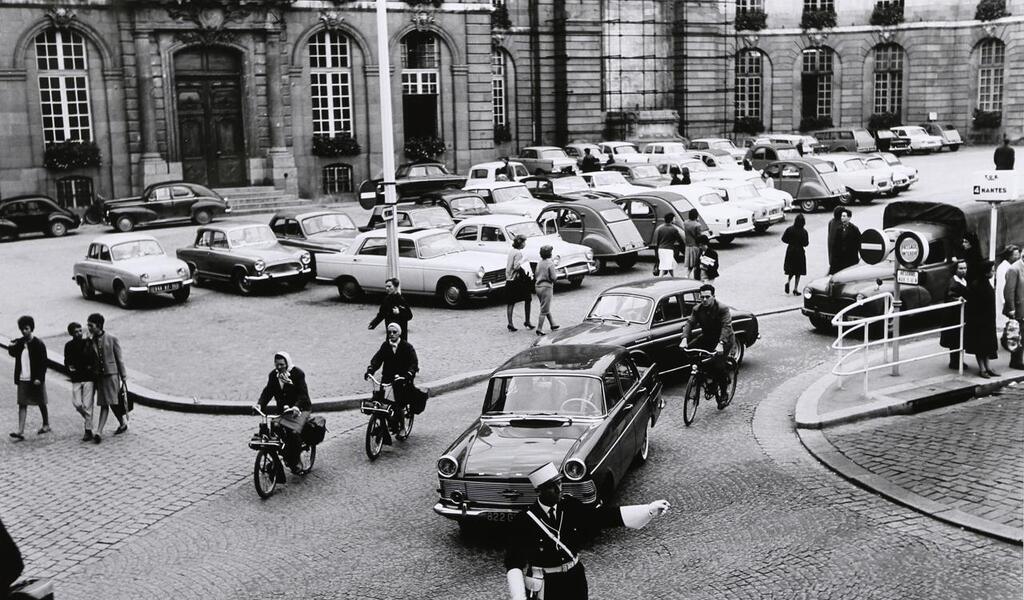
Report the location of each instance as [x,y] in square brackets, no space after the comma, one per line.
[716,335]
[286,384]
[398,363]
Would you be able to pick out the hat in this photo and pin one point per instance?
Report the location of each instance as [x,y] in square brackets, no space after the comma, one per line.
[545,474]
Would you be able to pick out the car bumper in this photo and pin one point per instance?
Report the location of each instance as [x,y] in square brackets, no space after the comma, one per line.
[154,288]
[485,289]
[736,229]
[574,269]
[465,510]
[283,275]
[770,219]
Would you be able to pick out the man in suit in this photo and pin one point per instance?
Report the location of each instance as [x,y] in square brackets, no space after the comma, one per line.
[542,557]
[110,376]
[398,361]
[393,309]
[1013,305]
[286,385]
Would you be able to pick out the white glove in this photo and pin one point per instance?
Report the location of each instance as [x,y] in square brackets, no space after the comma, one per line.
[659,507]
[638,516]
[516,584]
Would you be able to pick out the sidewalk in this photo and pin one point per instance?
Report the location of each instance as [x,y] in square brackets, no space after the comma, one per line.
[959,462]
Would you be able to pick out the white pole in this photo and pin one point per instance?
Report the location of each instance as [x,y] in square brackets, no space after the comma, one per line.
[992,238]
[387,135]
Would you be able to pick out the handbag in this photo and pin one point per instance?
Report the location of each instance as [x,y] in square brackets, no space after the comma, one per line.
[1010,339]
[124,398]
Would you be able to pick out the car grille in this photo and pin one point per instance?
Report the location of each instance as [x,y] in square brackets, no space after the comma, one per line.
[510,493]
[775,211]
[493,277]
[283,268]
[826,304]
[741,221]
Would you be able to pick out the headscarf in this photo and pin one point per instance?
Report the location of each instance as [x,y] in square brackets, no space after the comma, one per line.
[284,378]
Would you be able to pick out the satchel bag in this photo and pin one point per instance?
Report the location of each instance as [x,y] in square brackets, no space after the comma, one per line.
[124,398]
[1011,336]
[315,430]
[417,399]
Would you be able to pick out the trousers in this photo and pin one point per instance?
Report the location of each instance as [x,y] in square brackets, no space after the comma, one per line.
[571,585]
[83,398]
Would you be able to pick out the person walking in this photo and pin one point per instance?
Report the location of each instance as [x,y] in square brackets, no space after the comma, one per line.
[394,308]
[667,237]
[1010,255]
[589,162]
[1013,305]
[110,376]
[520,283]
[707,261]
[1004,157]
[950,338]
[80,361]
[843,242]
[544,282]
[795,264]
[29,354]
[980,319]
[692,229]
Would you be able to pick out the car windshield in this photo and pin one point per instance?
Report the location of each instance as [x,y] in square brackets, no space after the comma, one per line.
[136,249]
[526,229]
[468,205]
[506,194]
[892,159]
[620,307]
[328,222]
[948,128]
[553,154]
[544,394]
[424,171]
[876,163]
[723,145]
[608,178]
[853,164]
[431,217]
[625,150]
[825,167]
[809,140]
[613,215]
[695,166]
[744,192]
[251,236]
[438,244]
[710,199]
[683,206]
[568,185]
[912,131]
[646,171]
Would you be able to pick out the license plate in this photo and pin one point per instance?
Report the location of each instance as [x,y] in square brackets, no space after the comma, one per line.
[906,276]
[165,287]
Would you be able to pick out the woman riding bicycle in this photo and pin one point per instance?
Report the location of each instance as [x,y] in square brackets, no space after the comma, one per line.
[399,362]
[286,384]
[715,323]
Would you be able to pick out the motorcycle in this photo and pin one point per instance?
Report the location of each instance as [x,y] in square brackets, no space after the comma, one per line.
[269,468]
[385,418]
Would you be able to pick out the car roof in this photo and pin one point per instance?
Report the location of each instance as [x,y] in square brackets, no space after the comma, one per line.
[118,238]
[655,287]
[446,195]
[597,204]
[495,219]
[493,185]
[711,139]
[582,144]
[591,359]
[806,160]
[26,197]
[619,143]
[233,226]
[304,212]
[672,192]
[494,163]
[413,233]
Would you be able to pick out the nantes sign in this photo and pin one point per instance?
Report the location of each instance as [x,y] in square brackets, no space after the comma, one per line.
[994,186]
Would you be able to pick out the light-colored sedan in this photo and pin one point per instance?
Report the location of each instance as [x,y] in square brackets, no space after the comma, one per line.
[762,183]
[744,195]
[130,264]
[862,183]
[719,144]
[622,152]
[920,140]
[432,262]
[612,182]
[903,176]
[488,172]
[508,198]
[495,233]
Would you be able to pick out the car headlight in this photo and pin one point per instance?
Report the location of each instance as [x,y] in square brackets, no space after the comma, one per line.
[480,273]
[182,271]
[304,257]
[589,254]
[144,277]
[557,260]
[807,293]
[447,466]
[574,469]
[259,266]
[860,296]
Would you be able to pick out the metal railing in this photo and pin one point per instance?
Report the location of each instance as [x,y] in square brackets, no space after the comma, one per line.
[850,327]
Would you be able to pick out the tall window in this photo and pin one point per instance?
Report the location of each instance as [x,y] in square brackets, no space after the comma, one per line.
[889,79]
[748,84]
[63,86]
[747,5]
[990,75]
[499,98]
[828,5]
[337,178]
[421,76]
[330,80]
[816,82]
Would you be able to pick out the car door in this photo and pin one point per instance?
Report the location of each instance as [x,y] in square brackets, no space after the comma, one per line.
[36,215]
[182,199]
[15,213]
[618,440]
[666,332]
[91,266]
[570,225]
[786,177]
[160,202]
[644,217]
[369,265]
[218,259]
[411,266]
[639,409]
[493,239]
[199,253]
[104,267]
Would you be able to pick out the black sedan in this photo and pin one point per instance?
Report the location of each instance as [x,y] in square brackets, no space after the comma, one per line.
[460,204]
[588,409]
[415,179]
[34,214]
[648,315]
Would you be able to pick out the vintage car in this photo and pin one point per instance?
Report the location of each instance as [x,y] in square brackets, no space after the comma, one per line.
[494,233]
[412,214]
[761,155]
[655,152]
[508,198]
[764,185]
[562,188]
[622,153]
[648,315]
[611,182]
[950,136]
[695,166]
[432,263]
[878,165]
[942,226]
[412,180]
[737,154]
[920,140]
[903,176]
[598,224]
[846,139]
[811,181]
[129,265]
[716,160]
[34,213]
[862,183]
[320,231]
[744,195]
[646,175]
[647,210]
[806,144]
[546,159]
[247,255]
[167,202]
[887,141]
[488,172]
[460,204]
[577,150]
[587,409]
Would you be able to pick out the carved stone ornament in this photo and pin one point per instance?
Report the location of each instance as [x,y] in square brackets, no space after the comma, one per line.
[498,37]
[423,20]
[886,35]
[331,19]
[750,40]
[990,29]
[817,38]
[212,17]
[60,17]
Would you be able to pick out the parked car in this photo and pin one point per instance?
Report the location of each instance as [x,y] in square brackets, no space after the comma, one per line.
[880,168]
[920,140]
[459,203]
[164,203]
[317,231]
[412,180]
[129,265]
[411,214]
[846,139]
[648,315]
[598,224]
[744,195]
[950,136]
[588,409]
[737,154]
[903,176]
[432,262]
[488,172]
[562,188]
[805,144]
[33,213]
[645,175]
[248,256]
[508,198]
[495,233]
[762,183]
[546,159]
[714,159]
[724,222]
[656,151]
[761,155]
[861,183]
[698,170]
[611,182]
[576,150]
[622,153]
[887,141]
[812,182]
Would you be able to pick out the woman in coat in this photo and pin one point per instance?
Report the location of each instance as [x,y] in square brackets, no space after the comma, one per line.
[950,338]
[980,318]
[795,264]
[545,284]
[520,282]
[29,354]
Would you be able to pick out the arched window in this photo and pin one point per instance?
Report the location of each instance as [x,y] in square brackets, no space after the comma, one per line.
[991,54]
[330,78]
[889,79]
[63,86]
[749,79]
[816,83]
[337,178]
[499,89]
[421,74]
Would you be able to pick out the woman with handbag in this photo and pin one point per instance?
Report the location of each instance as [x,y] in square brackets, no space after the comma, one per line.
[519,286]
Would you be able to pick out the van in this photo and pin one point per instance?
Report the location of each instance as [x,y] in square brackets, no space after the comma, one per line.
[846,139]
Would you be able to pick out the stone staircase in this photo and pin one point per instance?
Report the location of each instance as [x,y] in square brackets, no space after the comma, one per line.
[259,199]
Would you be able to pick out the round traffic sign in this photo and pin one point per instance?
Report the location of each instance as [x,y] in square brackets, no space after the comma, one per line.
[911,249]
[874,246]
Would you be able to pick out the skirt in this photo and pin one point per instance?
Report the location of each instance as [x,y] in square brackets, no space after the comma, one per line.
[30,394]
[692,257]
[107,388]
[666,259]
[544,294]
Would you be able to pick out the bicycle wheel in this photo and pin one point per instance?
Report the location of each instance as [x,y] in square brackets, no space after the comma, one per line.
[375,436]
[405,424]
[307,456]
[691,398]
[265,472]
[734,373]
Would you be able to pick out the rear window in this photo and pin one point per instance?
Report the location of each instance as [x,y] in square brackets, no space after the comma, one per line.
[478,174]
[710,199]
[876,163]
[948,128]
[612,215]
[824,168]
[854,164]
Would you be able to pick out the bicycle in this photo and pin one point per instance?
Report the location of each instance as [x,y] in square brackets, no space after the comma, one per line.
[381,408]
[269,469]
[699,384]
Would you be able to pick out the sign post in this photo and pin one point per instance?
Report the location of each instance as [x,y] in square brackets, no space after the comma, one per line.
[387,135]
[994,187]
[911,252]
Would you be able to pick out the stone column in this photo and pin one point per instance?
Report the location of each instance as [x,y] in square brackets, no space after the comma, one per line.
[152,166]
[460,154]
[281,159]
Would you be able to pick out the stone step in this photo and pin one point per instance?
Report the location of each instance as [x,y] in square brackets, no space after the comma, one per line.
[242,201]
[243,191]
[269,208]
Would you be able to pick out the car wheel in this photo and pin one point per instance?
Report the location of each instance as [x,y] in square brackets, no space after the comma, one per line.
[124,224]
[840,149]
[761,227]
[626,261]
[452,293]
[85,286]
[576,280]
[349,289]
[954,147]
[122,295]
[645,446]
[202,217]
[58,229]
[738,351]
[725,240]
[180,295]
[822,324]
[809,206]
[8,236]
[242,283]
[849,199]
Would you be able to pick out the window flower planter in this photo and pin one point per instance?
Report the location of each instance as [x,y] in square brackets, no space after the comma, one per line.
[64,156]
[418,149]
[989,10]
[754,19]
[339,145]
[818,19]
[887,14]
[749,125]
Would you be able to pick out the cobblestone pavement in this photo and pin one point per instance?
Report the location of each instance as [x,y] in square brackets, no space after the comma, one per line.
[754,516]
[968,456]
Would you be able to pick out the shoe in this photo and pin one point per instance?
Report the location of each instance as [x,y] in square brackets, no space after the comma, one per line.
[120,430]
[511,328]
[993,373]
[528,325]
[984,375]
[555,327]
[796,292]
[96,439]
[786,288]
[87,437]
[17,437]
[43,429]
[539,332]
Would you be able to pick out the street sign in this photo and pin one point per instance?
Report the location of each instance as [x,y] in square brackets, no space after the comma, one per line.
[994,186]
[874,246]
[911,249]
[907,276]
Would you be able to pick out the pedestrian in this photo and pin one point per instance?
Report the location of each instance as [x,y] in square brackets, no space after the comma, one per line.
[520,282]
[29,354]
[394,308]
[544,542]
[843,241]
[676,175]
[980,319]
[544,282]
[795,263]
[1013,305]
[1010,255]
[692,229]
[589,163]
[1003,157]
[667,237]
[970,251]
[110,376]
[707,260]
[950,338]
[509,172]
[685,176]
[80,361]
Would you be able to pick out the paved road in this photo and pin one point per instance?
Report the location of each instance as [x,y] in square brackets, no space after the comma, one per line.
[169,511]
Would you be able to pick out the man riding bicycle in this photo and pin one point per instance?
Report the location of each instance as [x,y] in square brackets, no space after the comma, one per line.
[286,384]
[715,323]
[398,363]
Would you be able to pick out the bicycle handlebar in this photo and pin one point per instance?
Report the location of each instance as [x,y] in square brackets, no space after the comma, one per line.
[292,409]
[378,382]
